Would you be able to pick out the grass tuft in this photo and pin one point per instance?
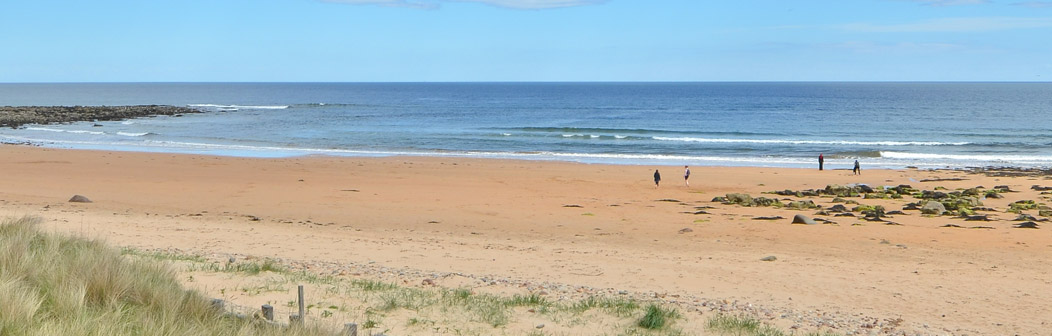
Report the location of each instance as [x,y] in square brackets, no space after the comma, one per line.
[657,317]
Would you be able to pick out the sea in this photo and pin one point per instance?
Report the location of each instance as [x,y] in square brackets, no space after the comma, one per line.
[778,124]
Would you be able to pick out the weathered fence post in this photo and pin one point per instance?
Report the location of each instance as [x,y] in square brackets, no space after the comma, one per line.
[302,316]
[218,305]
[350,329]
[268,312]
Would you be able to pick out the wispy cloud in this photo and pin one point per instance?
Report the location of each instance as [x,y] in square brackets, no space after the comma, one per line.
[953,25]
[513,4]
[1034,4]
[943,3]
[904,47]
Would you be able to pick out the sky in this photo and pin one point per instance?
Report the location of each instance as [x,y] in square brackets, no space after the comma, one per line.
[524,40]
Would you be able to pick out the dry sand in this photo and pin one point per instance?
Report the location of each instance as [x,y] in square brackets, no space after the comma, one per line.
[565,227]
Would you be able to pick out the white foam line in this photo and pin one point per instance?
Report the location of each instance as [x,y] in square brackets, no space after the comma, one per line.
[256,107]
[814,142]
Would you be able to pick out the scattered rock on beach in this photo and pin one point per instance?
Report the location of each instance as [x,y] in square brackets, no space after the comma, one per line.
[1040,188]
[769,258]
[1025,217]
[79,199]
[801,219]
[768,218]
[1026,225]
[685,230]
[838,208]
[933,208]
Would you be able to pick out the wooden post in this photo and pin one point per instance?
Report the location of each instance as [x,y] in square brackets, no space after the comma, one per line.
[302,316]
[268,312]
[350,329]
[218,305]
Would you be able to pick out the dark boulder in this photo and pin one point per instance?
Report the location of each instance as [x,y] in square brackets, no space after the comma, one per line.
[801,219]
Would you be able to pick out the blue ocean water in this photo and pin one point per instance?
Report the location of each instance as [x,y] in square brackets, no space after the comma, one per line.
[888,125]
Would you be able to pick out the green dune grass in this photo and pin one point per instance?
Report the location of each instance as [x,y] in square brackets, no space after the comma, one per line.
[57,285]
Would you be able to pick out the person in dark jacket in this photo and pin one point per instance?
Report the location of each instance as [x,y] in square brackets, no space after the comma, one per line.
[657,178]
[857,170]
[821,161]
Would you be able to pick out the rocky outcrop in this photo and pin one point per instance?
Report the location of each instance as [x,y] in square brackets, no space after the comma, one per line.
[15,116]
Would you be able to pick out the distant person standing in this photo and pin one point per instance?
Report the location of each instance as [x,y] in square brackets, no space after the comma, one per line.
[657,178]
[821,161]
[857,170]
[686,175]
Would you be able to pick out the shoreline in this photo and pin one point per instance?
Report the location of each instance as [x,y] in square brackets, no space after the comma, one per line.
[592,225]
[241,151]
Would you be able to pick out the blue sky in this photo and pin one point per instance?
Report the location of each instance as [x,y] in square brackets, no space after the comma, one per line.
[524,40]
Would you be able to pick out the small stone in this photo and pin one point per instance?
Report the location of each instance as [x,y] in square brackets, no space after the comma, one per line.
[79,199]
[540,326]
[685,230]
[769,258]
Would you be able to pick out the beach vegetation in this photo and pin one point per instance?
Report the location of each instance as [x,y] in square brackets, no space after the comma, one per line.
[60,285]
[387,306]
[657,317]
[1019,206]
[740,325]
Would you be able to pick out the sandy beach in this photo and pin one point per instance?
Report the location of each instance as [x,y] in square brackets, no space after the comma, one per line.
[564,228]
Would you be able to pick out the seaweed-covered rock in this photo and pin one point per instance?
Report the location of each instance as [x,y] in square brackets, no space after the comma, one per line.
[741,199]
[936,195]
[842,191]
[764,201]
[933,208]
[904,189]
[721,199]
[1021,205]
[838,208]
[876,196]
[15,116]
[800,205]
[867,208]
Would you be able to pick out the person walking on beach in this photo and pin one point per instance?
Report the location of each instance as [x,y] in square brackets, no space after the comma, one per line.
[856,170]
[657,178]
[686,175]
[821,161]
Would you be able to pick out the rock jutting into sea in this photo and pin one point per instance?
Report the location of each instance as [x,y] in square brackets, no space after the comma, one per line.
[15,116]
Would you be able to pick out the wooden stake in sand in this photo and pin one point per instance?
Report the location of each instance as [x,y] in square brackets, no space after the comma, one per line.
[300,290]
[268,312]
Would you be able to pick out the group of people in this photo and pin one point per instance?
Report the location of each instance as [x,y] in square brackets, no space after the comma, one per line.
[686,171]
[686,177]
[822,160]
